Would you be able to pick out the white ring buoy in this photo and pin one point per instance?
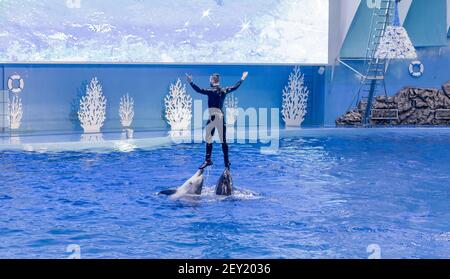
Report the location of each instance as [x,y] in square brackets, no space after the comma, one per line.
[15,90]
[413,68]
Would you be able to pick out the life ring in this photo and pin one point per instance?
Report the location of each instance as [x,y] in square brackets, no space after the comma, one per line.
[416,69]
[15,90]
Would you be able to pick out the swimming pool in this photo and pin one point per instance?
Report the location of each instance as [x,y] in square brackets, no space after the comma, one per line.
[326,194]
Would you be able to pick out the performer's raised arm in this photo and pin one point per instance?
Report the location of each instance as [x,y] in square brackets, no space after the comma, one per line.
[195,87]
[236,86]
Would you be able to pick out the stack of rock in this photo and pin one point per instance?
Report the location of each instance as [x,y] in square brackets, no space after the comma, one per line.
[410,106]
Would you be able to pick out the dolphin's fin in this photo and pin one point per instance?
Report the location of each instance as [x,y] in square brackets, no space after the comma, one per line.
[167,192]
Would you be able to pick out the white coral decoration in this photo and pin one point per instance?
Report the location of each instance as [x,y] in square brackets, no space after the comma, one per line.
[126,110]
[395,44]
[178,107]
[231,107]
[295,99]
[15,112]
[92,112]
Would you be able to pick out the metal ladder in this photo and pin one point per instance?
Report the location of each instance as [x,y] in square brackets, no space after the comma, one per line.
[374,80]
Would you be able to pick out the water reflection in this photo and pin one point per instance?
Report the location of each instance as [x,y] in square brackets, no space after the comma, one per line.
[15,139]
[180,136]
[126,134]
[87,137]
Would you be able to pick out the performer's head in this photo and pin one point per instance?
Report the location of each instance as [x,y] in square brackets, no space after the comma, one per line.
[214,79]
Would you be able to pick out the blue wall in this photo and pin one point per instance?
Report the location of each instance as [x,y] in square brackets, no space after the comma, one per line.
[357,37]
[342,89]
[2,84]
[426,24]
[429,32]
[50,97]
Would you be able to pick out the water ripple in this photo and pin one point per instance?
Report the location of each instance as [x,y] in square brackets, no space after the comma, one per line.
[318,197]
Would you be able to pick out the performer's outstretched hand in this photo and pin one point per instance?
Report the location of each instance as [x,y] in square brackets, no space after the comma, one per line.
[189,78]
[244,76]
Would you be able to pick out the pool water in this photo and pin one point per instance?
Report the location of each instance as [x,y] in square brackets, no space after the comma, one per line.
[331,195]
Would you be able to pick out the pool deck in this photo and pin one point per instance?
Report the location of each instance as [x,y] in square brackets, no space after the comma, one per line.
[120,141]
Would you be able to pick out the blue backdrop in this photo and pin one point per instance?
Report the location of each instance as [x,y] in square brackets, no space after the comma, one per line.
[52,91]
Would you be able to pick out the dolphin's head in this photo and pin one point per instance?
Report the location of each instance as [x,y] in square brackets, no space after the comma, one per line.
[224,186]
[196,183]
[193,186]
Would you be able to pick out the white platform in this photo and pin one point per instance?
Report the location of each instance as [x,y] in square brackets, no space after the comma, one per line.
[107,142]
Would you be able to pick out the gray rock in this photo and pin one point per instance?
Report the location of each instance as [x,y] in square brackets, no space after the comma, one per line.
[351,118]
[446,88]
[418,103]
[416,106]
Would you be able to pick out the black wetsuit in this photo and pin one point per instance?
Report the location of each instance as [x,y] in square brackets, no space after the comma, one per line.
[216,97]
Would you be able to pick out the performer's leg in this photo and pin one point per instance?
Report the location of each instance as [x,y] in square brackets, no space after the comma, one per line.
[209,146]
[226,158]
[223,138]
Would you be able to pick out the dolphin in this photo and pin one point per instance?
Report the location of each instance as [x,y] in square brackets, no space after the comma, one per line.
[193,186]
[224,186]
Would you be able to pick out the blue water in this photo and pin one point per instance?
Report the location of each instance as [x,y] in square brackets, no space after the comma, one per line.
[326,196]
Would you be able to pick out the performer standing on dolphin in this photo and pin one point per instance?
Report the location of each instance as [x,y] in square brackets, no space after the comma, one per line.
[216,96]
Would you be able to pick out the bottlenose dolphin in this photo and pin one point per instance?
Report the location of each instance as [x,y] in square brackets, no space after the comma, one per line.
[224,186]
[193,186]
